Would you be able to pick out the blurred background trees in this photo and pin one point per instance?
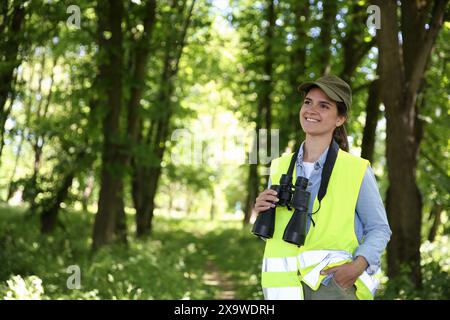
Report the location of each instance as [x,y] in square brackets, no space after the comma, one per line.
[134,131]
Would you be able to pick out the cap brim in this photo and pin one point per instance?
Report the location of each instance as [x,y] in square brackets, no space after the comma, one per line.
[330,93]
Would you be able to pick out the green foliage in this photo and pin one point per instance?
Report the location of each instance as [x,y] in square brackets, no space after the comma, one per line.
[18,288]
[433,168]
[168,268]
[435,264]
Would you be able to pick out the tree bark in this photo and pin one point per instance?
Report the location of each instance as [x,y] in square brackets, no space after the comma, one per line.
[354,50]
[145,176]
[87,192]
[110,203]
[145,184]
[212,208]
[49,215]
[401,75]
[435,215]
[326,30]
[252,191]
[39,140]
[140,58]
[297,58]
[372,116]
[27,105]
[10,45]
[264,109]
[7,111]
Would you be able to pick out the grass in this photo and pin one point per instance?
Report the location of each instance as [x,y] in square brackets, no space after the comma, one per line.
[172,264]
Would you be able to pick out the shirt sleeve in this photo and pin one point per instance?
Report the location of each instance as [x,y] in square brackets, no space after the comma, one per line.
[372,214]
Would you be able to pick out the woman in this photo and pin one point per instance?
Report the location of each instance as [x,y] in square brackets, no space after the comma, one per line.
[347,229]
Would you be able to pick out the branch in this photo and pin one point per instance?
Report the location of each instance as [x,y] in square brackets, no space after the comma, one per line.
[389,51]
[183,37]
[430,38]
[362,87]
[434,164]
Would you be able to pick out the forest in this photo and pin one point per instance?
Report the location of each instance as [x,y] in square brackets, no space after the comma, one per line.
[135,136]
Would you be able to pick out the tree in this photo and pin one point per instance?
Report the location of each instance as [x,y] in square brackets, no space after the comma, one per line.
[264,106]
[403,65]
[12,17]
[110,41]
[326,30]
[297,26]
[153,138]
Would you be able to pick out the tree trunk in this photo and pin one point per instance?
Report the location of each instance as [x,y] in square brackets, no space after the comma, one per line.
[110,204]
[4,115]
[145,192]
[297,67]
[354,50]
[435,214]
[49,215]
[138,74]
[372,116]
[170,195]
[252,191]
[87,192]
[189,207]
[39,140]
[145,184]
[402,69]
[326,30]
[212,208]
[268,83]
[264,109]
[141,57]
[27,105]
[9,50]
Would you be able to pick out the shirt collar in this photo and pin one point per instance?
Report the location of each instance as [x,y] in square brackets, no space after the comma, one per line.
[320,162]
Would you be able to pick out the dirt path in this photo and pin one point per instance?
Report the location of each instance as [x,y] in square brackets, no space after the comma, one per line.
[214,277]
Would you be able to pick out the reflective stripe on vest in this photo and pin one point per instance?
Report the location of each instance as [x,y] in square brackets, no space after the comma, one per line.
[334,231]
[285,264]
[315,261]
[283,293]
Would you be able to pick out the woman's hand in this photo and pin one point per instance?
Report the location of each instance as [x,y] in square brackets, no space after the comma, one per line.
[265,200]
[346,274]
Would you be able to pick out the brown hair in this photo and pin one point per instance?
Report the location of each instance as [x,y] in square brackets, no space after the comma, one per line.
[340,134]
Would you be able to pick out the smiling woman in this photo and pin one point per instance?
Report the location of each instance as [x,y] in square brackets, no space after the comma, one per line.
[323,105]
[349,233]
[320,115]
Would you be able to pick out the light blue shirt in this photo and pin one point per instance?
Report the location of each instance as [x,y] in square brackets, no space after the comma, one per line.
[371,224]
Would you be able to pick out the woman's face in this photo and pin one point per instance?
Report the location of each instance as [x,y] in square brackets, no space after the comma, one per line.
[319,114]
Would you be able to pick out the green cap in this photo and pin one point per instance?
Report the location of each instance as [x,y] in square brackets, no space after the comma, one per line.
[333,86]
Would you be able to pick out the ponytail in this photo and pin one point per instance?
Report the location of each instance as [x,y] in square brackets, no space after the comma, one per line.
[340,134]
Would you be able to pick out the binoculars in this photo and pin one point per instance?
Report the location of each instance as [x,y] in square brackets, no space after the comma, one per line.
[290,196]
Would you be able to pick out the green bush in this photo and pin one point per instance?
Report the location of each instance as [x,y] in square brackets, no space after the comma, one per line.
[18,288]
[435,264]
[169,267]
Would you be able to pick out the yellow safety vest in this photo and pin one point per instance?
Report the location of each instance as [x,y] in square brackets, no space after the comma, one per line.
[331,242]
